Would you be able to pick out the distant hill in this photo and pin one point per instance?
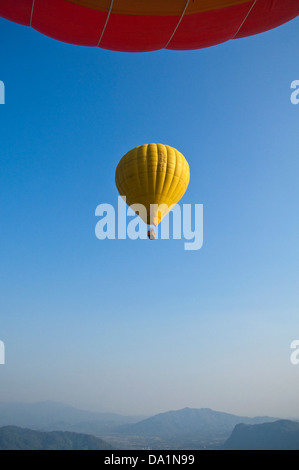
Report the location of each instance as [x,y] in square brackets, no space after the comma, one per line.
[188,428]
[52,416]
[278,435]
[189,423]
[15,438]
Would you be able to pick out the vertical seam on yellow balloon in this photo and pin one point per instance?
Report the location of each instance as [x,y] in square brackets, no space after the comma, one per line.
[246,17]
[179,192]
[155,186]
[123,183]
[170,193]
[178,24]
[106,22]
[173,175]
[166,170]
[139,152]
[144,168]
[126,173]
[148,172]
[155,172]
[176,187]
[179,179]
[161,175]
[174,160]
[136,172]
[31,14]
[164,174]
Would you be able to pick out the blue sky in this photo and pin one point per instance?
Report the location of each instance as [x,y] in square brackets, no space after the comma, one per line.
[139,326]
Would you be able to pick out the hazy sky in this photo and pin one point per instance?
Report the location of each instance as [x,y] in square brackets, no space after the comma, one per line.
[140,326]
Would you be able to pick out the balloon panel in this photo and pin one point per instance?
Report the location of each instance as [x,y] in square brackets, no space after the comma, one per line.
[143,25]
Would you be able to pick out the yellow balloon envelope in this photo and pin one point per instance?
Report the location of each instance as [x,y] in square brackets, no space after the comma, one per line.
[152,176]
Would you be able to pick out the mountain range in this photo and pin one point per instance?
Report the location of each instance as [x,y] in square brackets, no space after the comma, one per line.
[52,416]
[277,435]
[188,428]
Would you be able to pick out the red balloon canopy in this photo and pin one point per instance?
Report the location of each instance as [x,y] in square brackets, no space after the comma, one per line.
[146,25]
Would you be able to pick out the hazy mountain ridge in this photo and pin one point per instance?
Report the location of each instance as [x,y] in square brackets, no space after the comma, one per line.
[188,428]
[15,438]
[190,423]
[52,416]
[278,435]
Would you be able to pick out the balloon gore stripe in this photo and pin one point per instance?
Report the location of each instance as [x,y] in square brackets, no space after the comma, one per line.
[146,25]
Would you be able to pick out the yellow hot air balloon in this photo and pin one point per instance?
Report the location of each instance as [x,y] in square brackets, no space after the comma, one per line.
[153,177]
